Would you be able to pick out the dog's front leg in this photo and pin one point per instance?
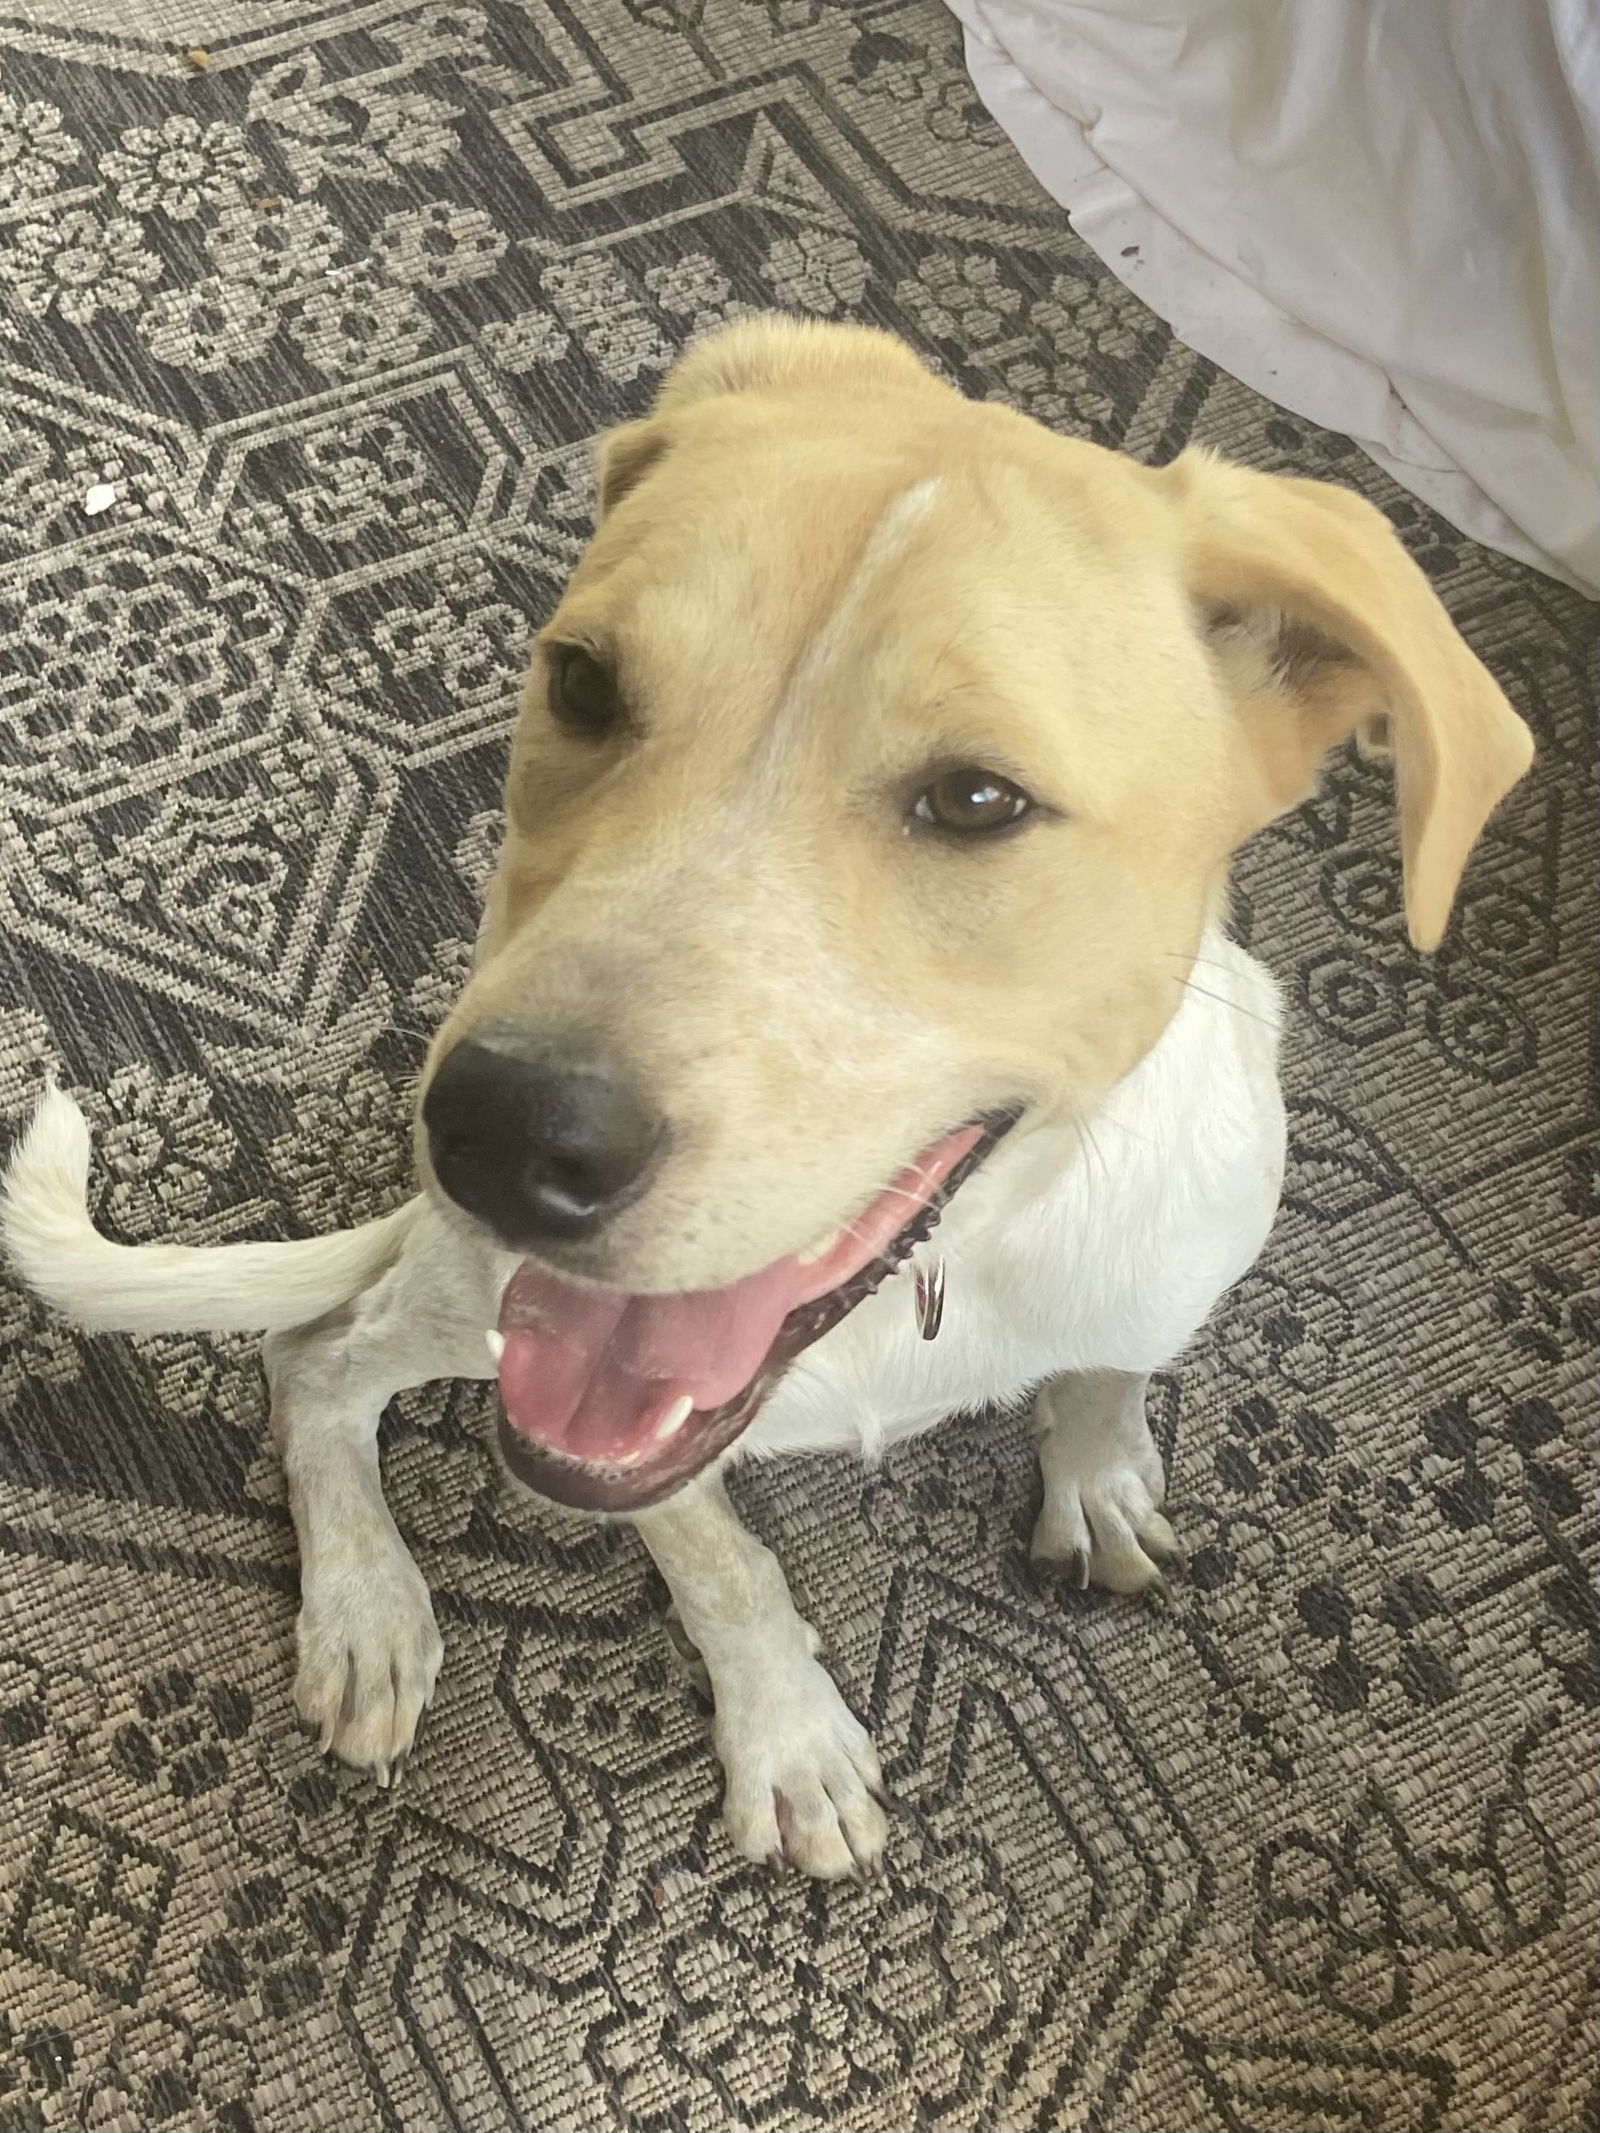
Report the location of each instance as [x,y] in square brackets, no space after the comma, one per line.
[368,1646]
[1101,1522]
[803,1786]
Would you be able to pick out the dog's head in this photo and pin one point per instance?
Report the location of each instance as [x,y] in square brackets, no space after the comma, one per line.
[874,781]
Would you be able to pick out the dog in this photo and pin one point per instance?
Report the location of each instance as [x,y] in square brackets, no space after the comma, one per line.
[856,960]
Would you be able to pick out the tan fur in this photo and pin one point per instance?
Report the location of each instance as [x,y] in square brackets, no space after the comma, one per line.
[824,578]
[731,897]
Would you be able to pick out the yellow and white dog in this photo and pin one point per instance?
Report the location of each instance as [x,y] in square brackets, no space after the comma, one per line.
[870,808]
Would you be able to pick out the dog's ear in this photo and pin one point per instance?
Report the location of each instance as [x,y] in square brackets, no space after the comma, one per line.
[623,457]
[766,353]
[1324,627]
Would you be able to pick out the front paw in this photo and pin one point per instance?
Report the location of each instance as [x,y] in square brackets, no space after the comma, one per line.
[803,1784]
[369,1653]
[1105,1527]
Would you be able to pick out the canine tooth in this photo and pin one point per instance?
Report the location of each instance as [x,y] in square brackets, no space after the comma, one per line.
[674,1418]
[496,1342]
[820,1250]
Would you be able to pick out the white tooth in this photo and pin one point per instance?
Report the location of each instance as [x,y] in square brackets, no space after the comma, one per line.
[820,1250]
[497,1345]
[673,1420]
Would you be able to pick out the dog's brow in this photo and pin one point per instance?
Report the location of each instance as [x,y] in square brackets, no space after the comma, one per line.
[887,540]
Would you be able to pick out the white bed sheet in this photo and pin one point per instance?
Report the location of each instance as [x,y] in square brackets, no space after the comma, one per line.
[1382,214]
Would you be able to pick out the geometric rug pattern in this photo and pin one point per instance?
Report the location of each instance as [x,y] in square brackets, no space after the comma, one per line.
[332,299]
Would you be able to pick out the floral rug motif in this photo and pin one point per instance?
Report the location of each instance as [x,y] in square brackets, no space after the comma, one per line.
[309,311]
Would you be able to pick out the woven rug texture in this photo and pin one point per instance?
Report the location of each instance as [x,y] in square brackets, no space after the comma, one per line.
[327,299]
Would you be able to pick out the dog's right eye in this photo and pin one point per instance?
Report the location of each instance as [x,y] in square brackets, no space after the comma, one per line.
[970,802]
[583,693]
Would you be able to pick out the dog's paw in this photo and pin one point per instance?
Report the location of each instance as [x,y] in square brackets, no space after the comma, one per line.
[1104,1527]
[803,1784]
[369,1652]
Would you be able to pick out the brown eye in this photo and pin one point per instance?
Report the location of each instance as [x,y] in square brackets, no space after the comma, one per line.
[583,693]
[970,802]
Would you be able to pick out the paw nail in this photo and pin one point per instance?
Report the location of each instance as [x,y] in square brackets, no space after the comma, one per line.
[1078,1569]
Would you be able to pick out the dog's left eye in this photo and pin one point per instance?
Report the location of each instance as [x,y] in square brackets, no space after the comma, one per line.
[583,693]
[970,802]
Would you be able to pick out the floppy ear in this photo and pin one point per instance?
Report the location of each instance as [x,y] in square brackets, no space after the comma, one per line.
[622,459]
[1326,627]
[766,353]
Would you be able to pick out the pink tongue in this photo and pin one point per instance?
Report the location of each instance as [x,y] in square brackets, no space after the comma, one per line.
[595,1373]
[590,1372]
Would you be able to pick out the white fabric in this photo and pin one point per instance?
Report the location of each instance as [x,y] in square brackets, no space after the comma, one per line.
[1382,214]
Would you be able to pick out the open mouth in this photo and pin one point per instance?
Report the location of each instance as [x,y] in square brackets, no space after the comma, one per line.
[611,1401]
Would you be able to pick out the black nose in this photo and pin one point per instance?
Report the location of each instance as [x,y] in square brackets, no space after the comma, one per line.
[540,1148]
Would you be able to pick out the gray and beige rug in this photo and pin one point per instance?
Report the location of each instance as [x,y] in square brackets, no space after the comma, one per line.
[327,300]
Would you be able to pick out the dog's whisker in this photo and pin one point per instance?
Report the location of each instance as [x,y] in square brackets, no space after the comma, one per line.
[1110,1118]
[1100,1154]
[410,1034]
[1197,962]
[929,1180]
[1222,1000]
[1088,1144]
[903,1192]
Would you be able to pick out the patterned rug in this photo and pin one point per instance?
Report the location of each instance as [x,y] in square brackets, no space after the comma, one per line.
[308,311]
